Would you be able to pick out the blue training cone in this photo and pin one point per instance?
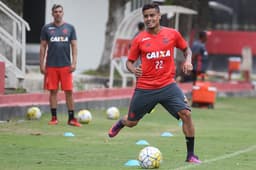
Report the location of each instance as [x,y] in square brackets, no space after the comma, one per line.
[132,163]
[69,134]
[142,142]
[166,134]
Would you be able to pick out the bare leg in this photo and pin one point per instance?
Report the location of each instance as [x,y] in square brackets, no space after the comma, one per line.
[53,105]
[188,126]
[189,132]
[69,99]
[70,105]
[53,98]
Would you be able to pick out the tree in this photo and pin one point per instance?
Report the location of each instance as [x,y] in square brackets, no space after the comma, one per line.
[115,15]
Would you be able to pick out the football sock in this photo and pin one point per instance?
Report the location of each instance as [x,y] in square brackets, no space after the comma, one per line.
[54,112]
[190,145]
[70,115]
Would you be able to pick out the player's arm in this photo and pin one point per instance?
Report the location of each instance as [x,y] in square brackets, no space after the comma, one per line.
[133,56]
[135,70]
[43,49]
[182,44]
[74,54]
[187,66]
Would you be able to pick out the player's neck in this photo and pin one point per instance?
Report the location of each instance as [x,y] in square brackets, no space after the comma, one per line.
[58,23]
[154,30]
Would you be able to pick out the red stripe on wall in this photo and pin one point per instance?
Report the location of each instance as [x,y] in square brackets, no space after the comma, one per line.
[230,42]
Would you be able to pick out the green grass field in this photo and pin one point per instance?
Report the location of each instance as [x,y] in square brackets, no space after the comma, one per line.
[225,140]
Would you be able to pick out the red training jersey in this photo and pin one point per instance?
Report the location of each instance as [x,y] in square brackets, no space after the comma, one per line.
[157,57]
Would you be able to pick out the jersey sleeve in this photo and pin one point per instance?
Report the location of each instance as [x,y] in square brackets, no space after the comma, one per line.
[180,41]
[73,33]
[134,50]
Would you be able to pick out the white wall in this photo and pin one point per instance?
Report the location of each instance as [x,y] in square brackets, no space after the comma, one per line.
[89,18]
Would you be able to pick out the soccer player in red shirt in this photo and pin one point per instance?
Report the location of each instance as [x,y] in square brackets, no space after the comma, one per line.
[155,77]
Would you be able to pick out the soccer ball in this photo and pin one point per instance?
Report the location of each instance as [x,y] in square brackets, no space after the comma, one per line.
[33,113]
[84,116]
[113,113]
[150,157]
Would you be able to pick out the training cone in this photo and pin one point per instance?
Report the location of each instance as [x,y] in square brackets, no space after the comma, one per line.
[166,134]
[132,163]
[142,142]
[69,134]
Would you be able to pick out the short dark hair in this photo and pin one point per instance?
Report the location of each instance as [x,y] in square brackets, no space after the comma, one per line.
[202,34]
[141,26]
[56,6]
[150,6]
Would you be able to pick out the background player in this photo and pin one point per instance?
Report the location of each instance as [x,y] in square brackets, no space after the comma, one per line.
[200,57]
[56,64]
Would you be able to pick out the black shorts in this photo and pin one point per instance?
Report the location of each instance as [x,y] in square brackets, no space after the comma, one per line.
[170,97]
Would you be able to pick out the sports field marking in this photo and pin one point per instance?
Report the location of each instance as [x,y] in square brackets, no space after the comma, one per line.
[219,158]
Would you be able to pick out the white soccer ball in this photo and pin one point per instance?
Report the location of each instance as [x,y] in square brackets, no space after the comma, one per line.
[150,157]
[84,116]
[113,113]
[33,113]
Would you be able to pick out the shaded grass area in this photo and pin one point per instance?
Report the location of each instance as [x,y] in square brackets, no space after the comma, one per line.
[227,129]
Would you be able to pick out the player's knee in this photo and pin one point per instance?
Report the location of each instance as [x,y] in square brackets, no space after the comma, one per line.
[68,92]
[184,114]
[54,91]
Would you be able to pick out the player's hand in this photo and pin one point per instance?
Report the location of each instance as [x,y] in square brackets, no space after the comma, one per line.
[42,70]
[138,71]
[72,68]
[187,68]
